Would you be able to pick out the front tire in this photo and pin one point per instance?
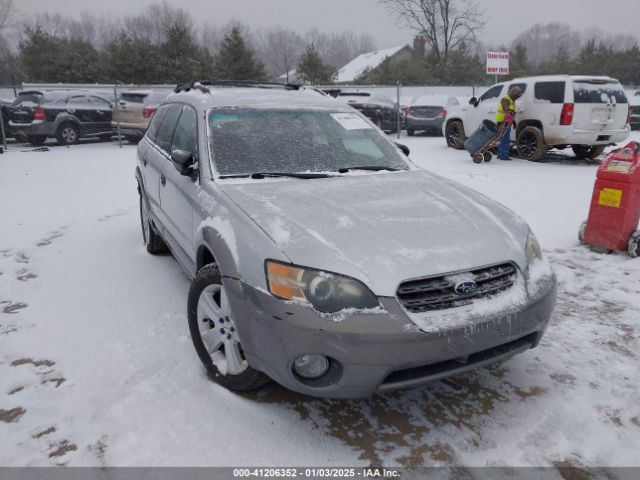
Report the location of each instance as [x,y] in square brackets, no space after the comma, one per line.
[530,144]
[152,241]
[214,334]
[454,134]
[588,152]
[68,134]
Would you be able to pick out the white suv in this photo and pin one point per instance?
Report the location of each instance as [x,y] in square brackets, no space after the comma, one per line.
[555,111]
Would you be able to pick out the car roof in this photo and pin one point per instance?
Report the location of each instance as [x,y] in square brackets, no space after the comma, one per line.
[551,78]
[435,100]
[255,97]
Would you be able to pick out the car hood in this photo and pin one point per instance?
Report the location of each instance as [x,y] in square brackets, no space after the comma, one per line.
[383,228]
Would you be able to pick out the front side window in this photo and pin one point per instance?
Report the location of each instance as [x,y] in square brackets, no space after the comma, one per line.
[296,141]
[492,93]
[168,127]
[156,121]
[186,134]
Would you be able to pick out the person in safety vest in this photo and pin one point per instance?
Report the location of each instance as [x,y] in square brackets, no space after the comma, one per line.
[505,118]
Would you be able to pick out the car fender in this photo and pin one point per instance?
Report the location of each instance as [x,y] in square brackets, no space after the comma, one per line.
[64,117]
[210,237]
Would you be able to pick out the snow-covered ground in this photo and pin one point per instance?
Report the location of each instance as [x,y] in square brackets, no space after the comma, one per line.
[97,367]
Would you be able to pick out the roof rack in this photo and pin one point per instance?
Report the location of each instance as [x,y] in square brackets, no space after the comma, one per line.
[203,84]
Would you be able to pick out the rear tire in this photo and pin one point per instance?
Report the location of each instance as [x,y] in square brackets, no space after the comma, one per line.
[207,299]
[583,227]
[152,241]
[36,140]
[68,134]
[633,246]
[587,152]
[454,134]
[530,144]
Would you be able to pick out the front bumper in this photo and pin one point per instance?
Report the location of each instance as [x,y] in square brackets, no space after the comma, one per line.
[130,130]
[375,352]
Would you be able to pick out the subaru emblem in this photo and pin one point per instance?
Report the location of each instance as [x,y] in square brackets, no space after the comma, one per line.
[466,287]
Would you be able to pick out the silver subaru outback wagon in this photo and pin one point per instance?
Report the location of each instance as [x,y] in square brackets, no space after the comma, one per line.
[320,256]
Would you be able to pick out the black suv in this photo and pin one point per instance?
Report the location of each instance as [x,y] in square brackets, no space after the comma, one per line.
[66,115]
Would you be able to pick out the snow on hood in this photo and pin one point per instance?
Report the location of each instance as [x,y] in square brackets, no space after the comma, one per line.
[383,228]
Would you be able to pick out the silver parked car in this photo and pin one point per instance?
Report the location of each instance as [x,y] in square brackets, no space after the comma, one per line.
[134,111]
[320,256]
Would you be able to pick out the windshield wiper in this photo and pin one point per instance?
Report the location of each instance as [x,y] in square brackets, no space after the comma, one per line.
[373,168]
[260,175]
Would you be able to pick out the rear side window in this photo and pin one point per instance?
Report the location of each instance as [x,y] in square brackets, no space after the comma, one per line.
[78,100]
[521,86]
[493,92]
[549,92]
[152,131]
[186,134]
[133,97]
[33,98]
[589,92]
[168,127]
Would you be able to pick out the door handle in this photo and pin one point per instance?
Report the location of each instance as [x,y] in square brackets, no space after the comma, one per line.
[163,180]
[145,161]
[492,111]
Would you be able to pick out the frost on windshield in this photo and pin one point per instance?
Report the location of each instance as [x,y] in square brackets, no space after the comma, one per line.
[293,141]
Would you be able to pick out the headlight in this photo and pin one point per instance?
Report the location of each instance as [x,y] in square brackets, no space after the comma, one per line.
[326,292]
[534,252]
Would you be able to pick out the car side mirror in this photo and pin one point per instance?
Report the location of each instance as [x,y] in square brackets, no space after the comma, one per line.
[473,101]
[404,148]
[182,161]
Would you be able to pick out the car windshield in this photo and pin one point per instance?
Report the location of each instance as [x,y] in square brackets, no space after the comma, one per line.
[292,141]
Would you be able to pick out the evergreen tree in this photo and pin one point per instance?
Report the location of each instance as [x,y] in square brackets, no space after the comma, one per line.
[519,62]
[38,55]
[312,69]
[236,62]
[133,60]
[182,59]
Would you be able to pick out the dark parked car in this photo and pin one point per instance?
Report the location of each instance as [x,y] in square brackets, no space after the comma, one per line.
[66,115]
[4,104]
[379,108]
[427,113]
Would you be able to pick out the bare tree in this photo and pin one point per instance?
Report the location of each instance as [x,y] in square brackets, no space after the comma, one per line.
[7,11]
[445,24]
[542,41]
[279,49]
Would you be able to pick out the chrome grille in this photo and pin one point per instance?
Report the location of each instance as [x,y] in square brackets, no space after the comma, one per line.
[438,293]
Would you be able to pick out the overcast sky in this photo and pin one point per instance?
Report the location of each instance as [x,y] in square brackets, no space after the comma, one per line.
[505,19]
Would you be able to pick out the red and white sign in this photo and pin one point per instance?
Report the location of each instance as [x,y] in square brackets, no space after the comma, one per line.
[497,63]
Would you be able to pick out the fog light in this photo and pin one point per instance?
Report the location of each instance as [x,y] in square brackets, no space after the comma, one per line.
[311,366]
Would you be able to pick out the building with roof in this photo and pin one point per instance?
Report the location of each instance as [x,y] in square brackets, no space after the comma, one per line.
[370,60]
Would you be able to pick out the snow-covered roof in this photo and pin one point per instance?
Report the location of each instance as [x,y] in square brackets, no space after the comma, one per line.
[358,65]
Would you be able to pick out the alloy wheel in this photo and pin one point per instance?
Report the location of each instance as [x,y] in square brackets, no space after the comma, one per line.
[218,331]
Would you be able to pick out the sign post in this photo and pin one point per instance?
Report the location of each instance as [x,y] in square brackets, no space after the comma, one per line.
[497,64]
